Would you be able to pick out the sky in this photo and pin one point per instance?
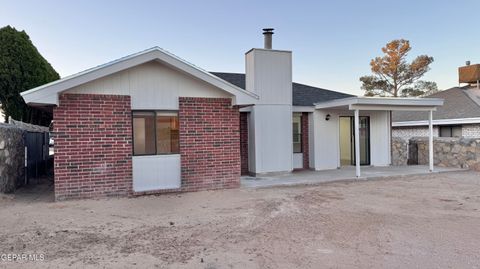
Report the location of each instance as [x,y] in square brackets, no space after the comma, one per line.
[332,41]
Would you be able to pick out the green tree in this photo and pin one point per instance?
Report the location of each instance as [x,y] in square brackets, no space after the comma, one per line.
[22,68]
[394,76]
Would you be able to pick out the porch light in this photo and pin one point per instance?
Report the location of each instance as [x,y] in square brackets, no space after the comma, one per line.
[327,118]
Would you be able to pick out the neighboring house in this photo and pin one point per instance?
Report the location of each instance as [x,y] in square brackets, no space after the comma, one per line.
[458,117]
[152,123]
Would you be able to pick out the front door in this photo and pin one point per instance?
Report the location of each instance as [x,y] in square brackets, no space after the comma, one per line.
[347,140]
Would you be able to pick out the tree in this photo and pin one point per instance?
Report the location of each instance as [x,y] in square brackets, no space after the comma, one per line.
[22,68]
[394,76]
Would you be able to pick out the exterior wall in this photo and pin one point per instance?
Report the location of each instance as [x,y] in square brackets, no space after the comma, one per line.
[305,144]
[12,158]
[468,131]
[269,75]
[327,144]
[409,132]
[93,146]
[244,143]
[471,130]
[272,138]
[379,137]
[450,152]
[209,143]
[399,151]
[151,86]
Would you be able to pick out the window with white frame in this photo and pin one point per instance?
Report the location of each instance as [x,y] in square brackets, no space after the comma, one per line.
[297,132]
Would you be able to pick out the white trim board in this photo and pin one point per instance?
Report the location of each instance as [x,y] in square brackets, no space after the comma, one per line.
[382,103]
[436,122]
[48,93]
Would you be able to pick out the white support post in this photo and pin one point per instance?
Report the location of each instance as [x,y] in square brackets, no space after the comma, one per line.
[357,143]
[430,140]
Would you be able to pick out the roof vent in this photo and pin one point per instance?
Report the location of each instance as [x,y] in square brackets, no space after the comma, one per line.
[467,63]
[267,33]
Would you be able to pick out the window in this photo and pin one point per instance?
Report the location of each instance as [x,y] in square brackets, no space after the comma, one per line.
[451,131]
[297,133]
[155,133]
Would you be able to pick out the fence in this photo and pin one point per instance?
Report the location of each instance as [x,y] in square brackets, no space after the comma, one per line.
[24,154]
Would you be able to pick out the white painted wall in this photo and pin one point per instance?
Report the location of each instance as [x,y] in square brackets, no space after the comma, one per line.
[297,160]
[326,145]
[311,140]
[156,172]
[151,86]
[272,139]
[269,75]
[379,138]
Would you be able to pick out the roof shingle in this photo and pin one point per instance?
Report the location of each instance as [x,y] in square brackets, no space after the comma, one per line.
[303,95]
[460,102]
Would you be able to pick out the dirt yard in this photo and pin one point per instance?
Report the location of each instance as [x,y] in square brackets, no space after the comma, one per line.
[416,222]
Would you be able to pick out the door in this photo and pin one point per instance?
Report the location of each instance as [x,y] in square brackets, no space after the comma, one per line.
[347,141]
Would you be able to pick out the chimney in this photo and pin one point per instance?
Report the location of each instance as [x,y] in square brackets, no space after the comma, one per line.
[470,73]
[267,33]
[268,73]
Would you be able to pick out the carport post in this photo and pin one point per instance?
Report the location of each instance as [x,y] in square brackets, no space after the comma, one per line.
[357,143]
[430,140]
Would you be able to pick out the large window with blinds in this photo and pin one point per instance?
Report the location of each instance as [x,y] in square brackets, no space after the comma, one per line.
[155,133]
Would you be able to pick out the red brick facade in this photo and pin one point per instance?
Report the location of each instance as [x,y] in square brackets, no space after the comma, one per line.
[93,146]
[305,149]
[209,143]
[244,143]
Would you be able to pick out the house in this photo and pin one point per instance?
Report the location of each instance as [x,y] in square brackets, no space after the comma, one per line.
[458,117]
[152,122]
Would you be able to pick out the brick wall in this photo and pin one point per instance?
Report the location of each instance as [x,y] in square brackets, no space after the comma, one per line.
[244,143]
[209,143]
[471,130]
[93,146]
[306,163]
[409,132]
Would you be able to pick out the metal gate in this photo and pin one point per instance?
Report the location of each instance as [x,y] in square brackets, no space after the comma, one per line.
[36,154]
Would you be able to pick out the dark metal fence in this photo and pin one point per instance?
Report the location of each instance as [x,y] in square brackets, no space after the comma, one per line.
[37,159]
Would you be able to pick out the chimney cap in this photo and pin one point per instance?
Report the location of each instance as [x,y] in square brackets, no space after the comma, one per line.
[267,31]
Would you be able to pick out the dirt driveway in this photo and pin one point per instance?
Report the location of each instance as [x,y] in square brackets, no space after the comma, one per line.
[428,221]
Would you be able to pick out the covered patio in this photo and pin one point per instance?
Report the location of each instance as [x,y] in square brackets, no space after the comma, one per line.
[370,118]
[310,177]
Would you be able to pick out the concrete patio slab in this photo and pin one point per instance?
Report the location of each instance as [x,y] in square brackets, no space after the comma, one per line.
[307,177]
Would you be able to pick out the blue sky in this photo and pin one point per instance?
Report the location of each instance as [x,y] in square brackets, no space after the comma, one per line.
[332,41]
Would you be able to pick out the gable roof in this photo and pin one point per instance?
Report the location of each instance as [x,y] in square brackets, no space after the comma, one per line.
[303,95]
[460,103]
[48,93]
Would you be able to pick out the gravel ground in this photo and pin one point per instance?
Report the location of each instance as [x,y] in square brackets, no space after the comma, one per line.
[430,221]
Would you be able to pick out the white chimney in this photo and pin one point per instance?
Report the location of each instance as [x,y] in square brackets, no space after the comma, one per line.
[269,75]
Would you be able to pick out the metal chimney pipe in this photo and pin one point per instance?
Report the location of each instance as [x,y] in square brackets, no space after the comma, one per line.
[267,33]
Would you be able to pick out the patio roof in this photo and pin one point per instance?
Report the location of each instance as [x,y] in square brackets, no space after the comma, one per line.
[382,103]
